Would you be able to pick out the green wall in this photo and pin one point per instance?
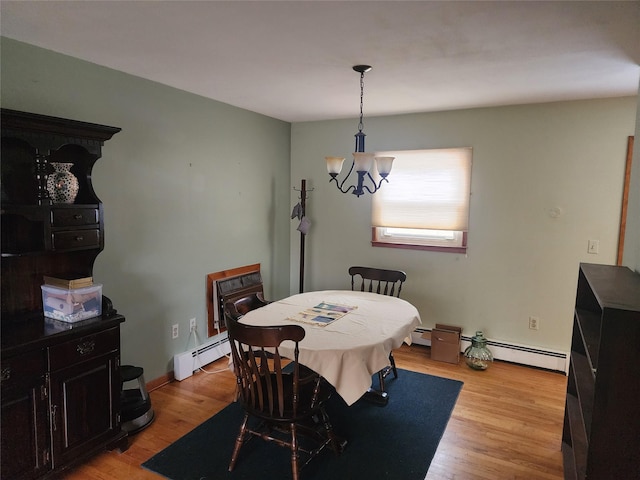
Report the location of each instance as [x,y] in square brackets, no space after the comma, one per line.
[521,261]
[190,186]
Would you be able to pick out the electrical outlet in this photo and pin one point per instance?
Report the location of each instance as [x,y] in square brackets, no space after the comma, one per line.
[192,324]
[174,331]
[534,323]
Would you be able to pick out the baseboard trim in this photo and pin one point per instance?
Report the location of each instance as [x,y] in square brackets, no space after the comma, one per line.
[160,381]
[522,354]
[510,352]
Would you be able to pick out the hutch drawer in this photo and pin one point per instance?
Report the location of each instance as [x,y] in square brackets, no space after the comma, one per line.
[22,369]
[84,348]
[74,217]
[69,239]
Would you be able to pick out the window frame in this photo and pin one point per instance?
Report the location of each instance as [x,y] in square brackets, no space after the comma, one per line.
[379,238]
[376,242]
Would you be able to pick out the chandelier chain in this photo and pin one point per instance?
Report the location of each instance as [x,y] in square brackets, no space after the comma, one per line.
[360,124]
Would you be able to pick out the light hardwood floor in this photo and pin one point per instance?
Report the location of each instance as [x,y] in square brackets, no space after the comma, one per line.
[507,423]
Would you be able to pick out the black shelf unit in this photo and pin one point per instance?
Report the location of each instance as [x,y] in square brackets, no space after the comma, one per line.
[601,435]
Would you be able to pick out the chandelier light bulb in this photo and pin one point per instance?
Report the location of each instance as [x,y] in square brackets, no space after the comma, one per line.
[334,165]
[363,161]
[384,165]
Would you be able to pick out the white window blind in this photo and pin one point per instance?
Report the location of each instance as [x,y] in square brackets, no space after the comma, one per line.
[427,189]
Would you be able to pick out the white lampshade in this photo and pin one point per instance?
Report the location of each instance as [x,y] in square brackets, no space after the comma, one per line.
[384,165]
[334,164]
[363,161]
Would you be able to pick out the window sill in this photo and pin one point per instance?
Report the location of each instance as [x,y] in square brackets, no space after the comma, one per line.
[431,248]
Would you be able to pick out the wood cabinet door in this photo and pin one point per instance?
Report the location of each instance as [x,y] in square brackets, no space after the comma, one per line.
[84,408]
[25,432]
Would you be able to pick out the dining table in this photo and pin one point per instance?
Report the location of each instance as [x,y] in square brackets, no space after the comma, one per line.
[348,334]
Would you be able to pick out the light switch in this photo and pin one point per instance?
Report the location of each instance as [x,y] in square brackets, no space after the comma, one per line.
[593,247]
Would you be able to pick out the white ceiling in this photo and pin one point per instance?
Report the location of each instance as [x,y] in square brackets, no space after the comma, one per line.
[292,60]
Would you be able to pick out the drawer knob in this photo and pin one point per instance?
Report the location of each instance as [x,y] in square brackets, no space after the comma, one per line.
[77,216]
[79,238]
[6,374]
[86,347]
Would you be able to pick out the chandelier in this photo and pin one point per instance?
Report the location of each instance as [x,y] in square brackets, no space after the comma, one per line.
[362,161]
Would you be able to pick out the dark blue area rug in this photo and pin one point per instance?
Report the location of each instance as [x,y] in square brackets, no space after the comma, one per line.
[397,441]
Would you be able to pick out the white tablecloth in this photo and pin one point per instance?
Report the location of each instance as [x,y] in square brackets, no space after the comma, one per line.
[350,350]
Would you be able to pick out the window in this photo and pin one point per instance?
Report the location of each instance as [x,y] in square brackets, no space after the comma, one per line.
[425,205]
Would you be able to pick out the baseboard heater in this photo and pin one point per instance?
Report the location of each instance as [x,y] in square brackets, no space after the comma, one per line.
[510,352]
[184,364]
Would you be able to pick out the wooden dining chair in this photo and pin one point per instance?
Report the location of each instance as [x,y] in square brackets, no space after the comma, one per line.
[383,282]
[290,408]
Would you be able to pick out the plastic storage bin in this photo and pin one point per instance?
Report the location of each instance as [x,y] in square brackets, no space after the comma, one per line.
[72,305]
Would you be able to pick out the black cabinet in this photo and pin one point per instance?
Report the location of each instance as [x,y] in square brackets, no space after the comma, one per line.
[601,438]
[26,449]
[60,381]
[85,388]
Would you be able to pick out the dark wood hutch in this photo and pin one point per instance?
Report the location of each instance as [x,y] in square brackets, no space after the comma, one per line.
[60,381]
